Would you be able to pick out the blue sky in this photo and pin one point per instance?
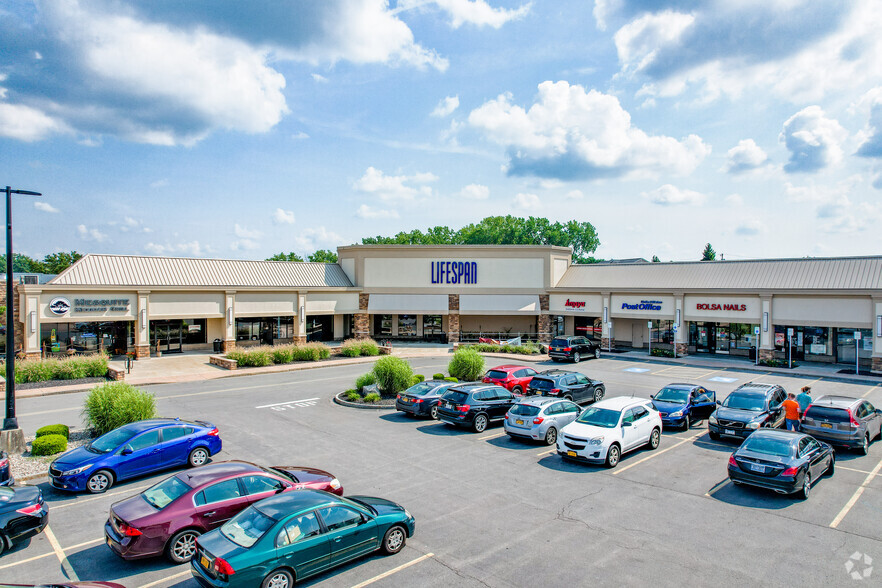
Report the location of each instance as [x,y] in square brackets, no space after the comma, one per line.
[229,129]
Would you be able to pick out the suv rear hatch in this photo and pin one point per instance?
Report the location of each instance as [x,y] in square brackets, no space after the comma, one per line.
[829,421]
[541,386]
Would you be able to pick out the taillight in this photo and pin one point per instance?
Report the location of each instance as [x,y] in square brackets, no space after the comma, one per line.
[854,423]
[32,510]
[464,407]
[554,391]
[567,349]
[418,401]
[732,461]
[222,567]
[398,397]
[4,462]
[486,380]
[538,420]
[128,531]
[790,472]
[214,432]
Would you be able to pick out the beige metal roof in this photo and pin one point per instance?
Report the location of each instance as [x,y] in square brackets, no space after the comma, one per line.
[840,273]
[132,270]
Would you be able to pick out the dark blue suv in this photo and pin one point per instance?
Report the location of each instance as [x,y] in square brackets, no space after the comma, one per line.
[133,450]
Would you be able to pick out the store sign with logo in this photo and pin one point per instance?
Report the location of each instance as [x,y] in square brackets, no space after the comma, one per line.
[59,305]
[101,304]
[643,305]
[575,304]
[453,272]
[721,307]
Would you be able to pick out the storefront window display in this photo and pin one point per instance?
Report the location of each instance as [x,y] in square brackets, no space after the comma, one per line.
[846,344]
[663,331]
[265,329]
[383,325]
[407,324]
[431,324]
[734,338]
[115,337]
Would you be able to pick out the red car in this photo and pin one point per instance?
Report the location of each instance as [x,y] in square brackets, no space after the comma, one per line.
[167,518]
[514,378]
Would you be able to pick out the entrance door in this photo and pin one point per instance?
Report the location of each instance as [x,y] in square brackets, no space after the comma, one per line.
[721,339]
[637,334]
[168,335]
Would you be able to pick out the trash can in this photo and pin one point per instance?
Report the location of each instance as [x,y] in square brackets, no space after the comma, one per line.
[217,345]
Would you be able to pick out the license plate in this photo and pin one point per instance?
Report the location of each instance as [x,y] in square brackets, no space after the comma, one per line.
[555,348]
[204,561]
[520,422]
[108,541]
[571,453]
[826,426]
[405,399]
[729,432]
[757,468]
[448,405]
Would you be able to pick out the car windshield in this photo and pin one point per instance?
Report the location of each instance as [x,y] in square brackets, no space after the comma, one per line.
[247,527]
[456,396]
[164,493]
[677,395]
[110,441]
[752,402]
[420,389]
[526,410]
[497,375]
[599,417]
[768,446]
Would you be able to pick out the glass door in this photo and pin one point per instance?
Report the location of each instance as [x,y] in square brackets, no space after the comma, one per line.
[721,338]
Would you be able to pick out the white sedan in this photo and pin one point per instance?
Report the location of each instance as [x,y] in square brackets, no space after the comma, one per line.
[610,428]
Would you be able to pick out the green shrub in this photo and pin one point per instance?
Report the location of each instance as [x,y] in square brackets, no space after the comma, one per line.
[283,354]
[450,379]
[372,397]
[393,374]
[253,356]
[659,352]
[367,379]
[466,364]
[352,395]
[368,347]
[96,365]
[34,370]
[420,377]
[437,376]
[43,370]
[63,430]
[48,445]
[351,348]
[115,404]
[311,352]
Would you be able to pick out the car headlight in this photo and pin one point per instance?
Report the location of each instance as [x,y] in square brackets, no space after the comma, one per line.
[712,420]
[407,514]
[753,425]
[76,471]
[335,484]
[596,441]
[679,413]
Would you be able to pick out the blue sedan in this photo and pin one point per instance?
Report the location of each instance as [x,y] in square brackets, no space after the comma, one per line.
[133,450]
[681,405]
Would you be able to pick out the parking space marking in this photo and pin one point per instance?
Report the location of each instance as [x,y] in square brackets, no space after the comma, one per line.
[716,487]
[867,393]
[549,452]
[390,572]
[164,580]
[493,436]
[85,500]
[839,467]
[290,404]
[722,379]
[59,552]
[51,553]
[657,453]
[857,494]
[673,367]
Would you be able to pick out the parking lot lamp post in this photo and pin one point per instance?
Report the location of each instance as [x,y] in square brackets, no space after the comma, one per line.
[11,432]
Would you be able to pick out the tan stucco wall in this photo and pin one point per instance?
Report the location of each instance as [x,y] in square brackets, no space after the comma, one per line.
[823,312]
[503,324]
[751,313]
[167,305]
[266,304]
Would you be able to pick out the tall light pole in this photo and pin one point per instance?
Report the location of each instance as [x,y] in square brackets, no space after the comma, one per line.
[10,423]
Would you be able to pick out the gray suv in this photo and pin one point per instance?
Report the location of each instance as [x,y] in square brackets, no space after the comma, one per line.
[843,421]
[540,418]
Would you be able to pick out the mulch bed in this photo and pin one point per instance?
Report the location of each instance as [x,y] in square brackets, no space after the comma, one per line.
[51,383]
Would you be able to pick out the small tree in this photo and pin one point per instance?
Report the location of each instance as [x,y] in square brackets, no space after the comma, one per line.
[655,259]
[708,254]
[466,365]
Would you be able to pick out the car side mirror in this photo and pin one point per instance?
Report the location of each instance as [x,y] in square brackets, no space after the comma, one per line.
[719,403]
[652,396]
[626,424]
[127,450]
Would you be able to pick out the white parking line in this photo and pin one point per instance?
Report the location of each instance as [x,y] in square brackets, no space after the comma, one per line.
[716,487]
[100,496]
[493,436]
[59,552]
[549,452]
[656,453]
[839,467]
[867,393]
[289,402]
[36,557]
[857,494]
[164,580]
[389,573]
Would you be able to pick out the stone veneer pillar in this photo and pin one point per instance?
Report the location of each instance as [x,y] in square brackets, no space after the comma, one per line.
[453,318]
[766,354]
[682,349]
[876,366]
[362,321]
[544,323]
[228,345]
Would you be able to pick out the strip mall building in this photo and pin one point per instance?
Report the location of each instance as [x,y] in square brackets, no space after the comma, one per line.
[823,309]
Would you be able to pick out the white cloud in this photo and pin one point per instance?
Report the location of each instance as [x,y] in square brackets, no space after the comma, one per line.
[745,157]
[750,228]
[45,206]
[188,248]
[366,212]
[394,188]
[283,217]
[244,233]
[574,195]
[128,224]
[87,234]
[814,141]
[527,202]
[668,195]
[734,200]
[639,41]
[312,239]
[244,245]
[473,12]
[319,78]
[446,106]
[24,123]
[870,138]
[571,134]
[159,183]
[475,192]
[300,135]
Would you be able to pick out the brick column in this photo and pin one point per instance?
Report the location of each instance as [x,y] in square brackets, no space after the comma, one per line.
[228,345]
[766,354]
[362,320]
[453,330]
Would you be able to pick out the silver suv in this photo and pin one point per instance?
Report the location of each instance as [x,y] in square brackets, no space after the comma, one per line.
[540,418]
[843,421]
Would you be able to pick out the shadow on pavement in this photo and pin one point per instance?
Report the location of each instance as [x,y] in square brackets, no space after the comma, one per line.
[751,497]
[516,443]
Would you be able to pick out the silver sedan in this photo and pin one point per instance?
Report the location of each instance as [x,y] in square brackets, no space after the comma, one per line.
[540,418]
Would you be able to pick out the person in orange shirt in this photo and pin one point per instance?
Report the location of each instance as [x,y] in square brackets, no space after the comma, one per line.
[791,412]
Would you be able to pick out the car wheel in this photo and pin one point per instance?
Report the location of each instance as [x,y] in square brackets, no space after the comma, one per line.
[480,423]
[434,412]
[278,579]
[806,486]
[613,455]
[597,353]
[832,467]
[865,446]
[598,394]
[99,482]
[713,436]
[198,457]
[687,422]
[394,540]
[577,357]
[654,439]
[568,397]
[551,436]
[2,544]
[517,390]
[182,546]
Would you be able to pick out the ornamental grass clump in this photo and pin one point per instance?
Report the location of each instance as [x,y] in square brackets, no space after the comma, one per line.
[369,347]
[368,379]
[72,368]
[393,374]
[115,404]
[311,352]
[372,397]
[253,356]
[283,354]
[466,364]
[350,348]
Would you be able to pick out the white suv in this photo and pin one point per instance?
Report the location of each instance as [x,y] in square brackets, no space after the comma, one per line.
[609,428]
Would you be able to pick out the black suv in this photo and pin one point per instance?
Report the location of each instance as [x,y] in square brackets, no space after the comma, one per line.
[569,385]
[475,405]
[573,348]
[747,408]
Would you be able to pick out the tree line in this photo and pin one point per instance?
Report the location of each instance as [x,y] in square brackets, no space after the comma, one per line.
[54,263]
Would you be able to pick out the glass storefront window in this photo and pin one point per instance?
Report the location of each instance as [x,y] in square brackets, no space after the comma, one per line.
[115,337]
[193,331]
[741,336]
[407,325]
[383,325]
[431,324]
[662,331]
[815,339]
[266,329]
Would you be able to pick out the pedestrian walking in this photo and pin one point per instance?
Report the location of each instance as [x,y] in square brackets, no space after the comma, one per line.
[804,399]
[791,412]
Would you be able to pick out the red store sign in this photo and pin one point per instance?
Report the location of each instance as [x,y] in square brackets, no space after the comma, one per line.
[574,304]
[713,306]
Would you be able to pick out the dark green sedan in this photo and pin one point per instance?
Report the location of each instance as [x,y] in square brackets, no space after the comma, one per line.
[291,536]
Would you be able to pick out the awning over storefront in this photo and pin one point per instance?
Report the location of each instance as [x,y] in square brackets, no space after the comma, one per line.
[499,304]
[408,304]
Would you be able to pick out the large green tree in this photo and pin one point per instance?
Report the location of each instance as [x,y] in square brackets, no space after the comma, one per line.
[323,255]
[55,263]
[505,230]
[285,257]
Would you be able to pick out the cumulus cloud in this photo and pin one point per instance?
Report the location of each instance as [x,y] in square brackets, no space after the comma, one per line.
[25,123]
[128,224]
[244,233]
[745,157]
[574,195]
[668,195]
[300,135]
[814,141]
[750,228]
[283,217]
[87,234]
[527,202]
[871,137]
[367,212]
[247,239]
[45,206]
[394,188]
[319,78]
[446,106]
[572,134]
[312,239]
[734,200]
[187,248]
[473,12]
[475,192]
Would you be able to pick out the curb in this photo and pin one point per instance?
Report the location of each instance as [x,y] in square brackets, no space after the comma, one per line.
[348,404]
[30,477]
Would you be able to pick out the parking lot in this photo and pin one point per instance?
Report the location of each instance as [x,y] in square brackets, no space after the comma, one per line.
[492,511]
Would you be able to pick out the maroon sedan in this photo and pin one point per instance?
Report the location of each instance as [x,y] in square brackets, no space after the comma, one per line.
[514,378]
[168,517]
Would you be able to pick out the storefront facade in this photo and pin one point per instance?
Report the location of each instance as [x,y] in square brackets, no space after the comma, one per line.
[827,310]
